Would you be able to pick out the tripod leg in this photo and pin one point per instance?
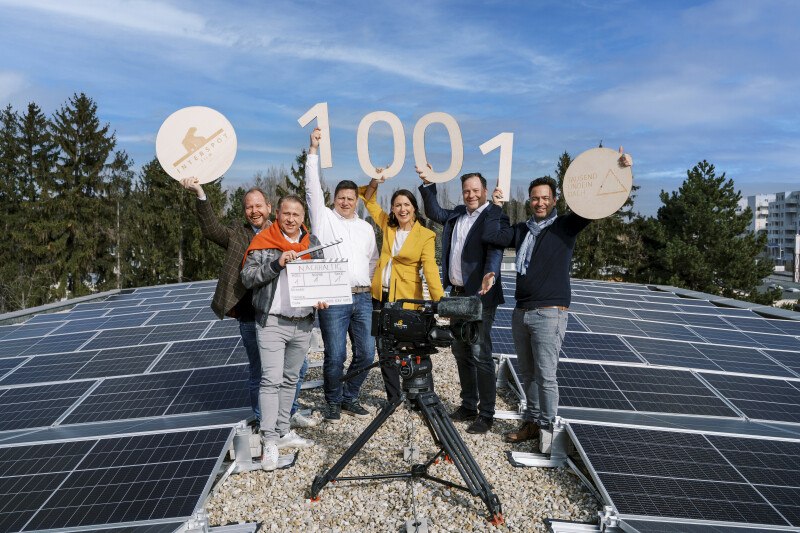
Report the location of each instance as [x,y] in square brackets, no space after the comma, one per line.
[322,480]
[448,438]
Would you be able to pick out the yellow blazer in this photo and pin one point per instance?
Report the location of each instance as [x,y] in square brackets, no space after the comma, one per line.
[419,250]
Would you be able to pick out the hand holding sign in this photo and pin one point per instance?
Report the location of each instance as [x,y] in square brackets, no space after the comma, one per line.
[598,182]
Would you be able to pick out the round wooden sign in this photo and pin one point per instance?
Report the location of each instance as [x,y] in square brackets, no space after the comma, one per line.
[196,142]
[596,185]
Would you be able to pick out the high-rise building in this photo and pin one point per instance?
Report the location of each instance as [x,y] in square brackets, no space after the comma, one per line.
[783,224]
[759,205]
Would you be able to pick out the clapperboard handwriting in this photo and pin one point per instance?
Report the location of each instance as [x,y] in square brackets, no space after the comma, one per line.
[318,280]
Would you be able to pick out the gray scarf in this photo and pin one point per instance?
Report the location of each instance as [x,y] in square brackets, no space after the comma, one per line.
[526,248]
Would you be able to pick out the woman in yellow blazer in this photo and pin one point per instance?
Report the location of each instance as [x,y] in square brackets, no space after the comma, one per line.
[408,246]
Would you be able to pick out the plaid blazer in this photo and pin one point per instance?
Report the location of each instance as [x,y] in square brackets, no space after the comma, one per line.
[235,239]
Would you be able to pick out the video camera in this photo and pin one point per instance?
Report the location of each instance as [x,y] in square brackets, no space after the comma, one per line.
[407,337]
[418,329]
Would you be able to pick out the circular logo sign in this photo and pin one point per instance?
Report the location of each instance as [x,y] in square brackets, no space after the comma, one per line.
[596,185]
[196,142]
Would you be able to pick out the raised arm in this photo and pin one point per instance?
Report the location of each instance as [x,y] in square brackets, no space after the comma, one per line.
[210,226]
[315,198]
[367,193]
[433,210]
[496,228]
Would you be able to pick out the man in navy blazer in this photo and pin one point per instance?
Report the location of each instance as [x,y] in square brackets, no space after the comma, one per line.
[470,267]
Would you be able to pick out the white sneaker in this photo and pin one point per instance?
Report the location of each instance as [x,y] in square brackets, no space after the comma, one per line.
[293,440]
[300,421]
[269,456]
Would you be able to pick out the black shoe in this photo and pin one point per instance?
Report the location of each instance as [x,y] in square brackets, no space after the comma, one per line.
[355,409]
[481,425]
[332,413]
[461,414]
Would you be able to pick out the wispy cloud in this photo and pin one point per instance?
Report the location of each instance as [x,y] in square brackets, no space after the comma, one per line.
[10,84]
[139,15]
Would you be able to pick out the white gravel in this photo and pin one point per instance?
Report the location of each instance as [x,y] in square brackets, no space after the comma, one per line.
[279,500]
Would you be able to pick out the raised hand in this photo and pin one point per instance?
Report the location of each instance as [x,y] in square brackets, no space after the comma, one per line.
[497,196]
[423,173]
[193,184]
[313,145]
[625,160]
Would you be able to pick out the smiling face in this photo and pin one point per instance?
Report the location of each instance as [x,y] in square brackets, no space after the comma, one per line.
[345,202]
[543,201]
[404,211]
[474,193]
[256,209]
[290,217]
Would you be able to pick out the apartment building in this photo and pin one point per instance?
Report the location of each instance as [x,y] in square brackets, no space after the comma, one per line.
[783,225]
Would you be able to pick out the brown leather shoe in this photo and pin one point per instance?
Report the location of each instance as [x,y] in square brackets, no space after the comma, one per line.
[527,431]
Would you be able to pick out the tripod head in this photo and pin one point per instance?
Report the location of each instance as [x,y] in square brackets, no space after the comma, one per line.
[408,337]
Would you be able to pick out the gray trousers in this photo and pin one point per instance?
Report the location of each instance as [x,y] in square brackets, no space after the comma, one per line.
[282,345]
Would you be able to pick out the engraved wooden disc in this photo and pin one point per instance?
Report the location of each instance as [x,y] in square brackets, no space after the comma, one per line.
[596,185]
[196,142]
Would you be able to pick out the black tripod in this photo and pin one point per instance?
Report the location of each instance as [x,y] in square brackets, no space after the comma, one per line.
[417,384]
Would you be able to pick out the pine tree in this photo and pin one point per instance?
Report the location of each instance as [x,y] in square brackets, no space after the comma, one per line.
[706,246]
[79,213]
[9,204]
[166,244]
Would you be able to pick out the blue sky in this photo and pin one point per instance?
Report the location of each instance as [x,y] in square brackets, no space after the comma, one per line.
[675,82]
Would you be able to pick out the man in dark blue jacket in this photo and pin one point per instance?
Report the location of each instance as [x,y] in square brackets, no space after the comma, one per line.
[544,245]
[470,266]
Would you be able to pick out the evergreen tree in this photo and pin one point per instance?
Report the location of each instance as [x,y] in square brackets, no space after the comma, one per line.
[704,241]
[120,180]
[166,243]
[79,213]
[9,204]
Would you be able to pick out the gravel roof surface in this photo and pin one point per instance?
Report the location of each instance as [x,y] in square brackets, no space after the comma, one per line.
[279,500]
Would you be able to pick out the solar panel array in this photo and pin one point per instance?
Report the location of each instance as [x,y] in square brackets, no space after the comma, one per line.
[684,412]
[154,354]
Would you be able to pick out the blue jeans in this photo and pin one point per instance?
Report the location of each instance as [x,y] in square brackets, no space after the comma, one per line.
[476,368]
[335,323]
[247,329]
[538,334]
[300,379]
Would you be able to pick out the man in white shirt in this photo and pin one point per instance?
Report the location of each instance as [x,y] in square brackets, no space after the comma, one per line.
[358,247]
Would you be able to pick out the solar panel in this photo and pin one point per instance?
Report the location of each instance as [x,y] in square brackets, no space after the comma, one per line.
[120,361]
[224,328]
[588,386]
[759,398]
[753,324]
[743,360]
[573,324]
[604,324]
[666,331]
[790,360]
[129,397]
[663,390]
[598,347]
[213,389]
[671,474]
[115,338]
[790,327]
[671,353]
[197,354]
[48,368]
[502,341]
[776,342]
[38,405]
[725,336]
[114,480]
[29,330]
